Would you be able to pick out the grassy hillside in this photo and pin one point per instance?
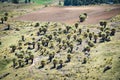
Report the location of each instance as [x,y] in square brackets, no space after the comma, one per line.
[63,44]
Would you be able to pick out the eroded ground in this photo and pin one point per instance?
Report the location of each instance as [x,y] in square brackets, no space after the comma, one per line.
[70,15]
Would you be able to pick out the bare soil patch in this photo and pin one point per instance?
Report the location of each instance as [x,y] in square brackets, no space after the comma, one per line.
[70,15]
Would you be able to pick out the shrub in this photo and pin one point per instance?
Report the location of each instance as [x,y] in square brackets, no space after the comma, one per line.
[84,61]
[101,28]
[23,38]
[99,34]
[51,56]
[42,63]
[103,23]
[82,17]
[0,43]
[2,20]
[108,38]
[85,35]
[27,57]
[85,14]
[61,63]
[69,57]
[46,5]
[6,14]
[68,36]
[37,24]
[5,18]
[20,62]
[31,58]
[13,48]
[80,30]
[55,62]
[103,35]
[87,48]
[76,25]
[113,32]
[79,40]
[14,60]
[95,38]
[107,33]
[91,44]
[88,30]
[75,37]
[90,36]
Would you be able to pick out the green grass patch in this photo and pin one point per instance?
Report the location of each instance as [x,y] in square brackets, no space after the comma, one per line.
[42,1]
[4,63]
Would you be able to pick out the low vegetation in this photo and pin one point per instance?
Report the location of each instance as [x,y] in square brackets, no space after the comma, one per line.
[56,51]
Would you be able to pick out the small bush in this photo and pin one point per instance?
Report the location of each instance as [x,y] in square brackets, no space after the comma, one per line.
[5,18]
[6,14]
[37,24]
[87,48]
[103,23]
[82,18]
[0,43]
[91,44]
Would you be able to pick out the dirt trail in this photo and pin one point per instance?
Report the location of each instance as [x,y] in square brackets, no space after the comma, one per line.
[70,15]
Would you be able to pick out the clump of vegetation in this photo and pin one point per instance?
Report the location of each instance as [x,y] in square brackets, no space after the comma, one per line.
[0,43]
[55,61]
[42,63]
[103,23]
[37,24]
[50,44]
[83,17]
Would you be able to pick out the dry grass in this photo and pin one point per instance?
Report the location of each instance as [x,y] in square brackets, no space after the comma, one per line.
[101,55]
